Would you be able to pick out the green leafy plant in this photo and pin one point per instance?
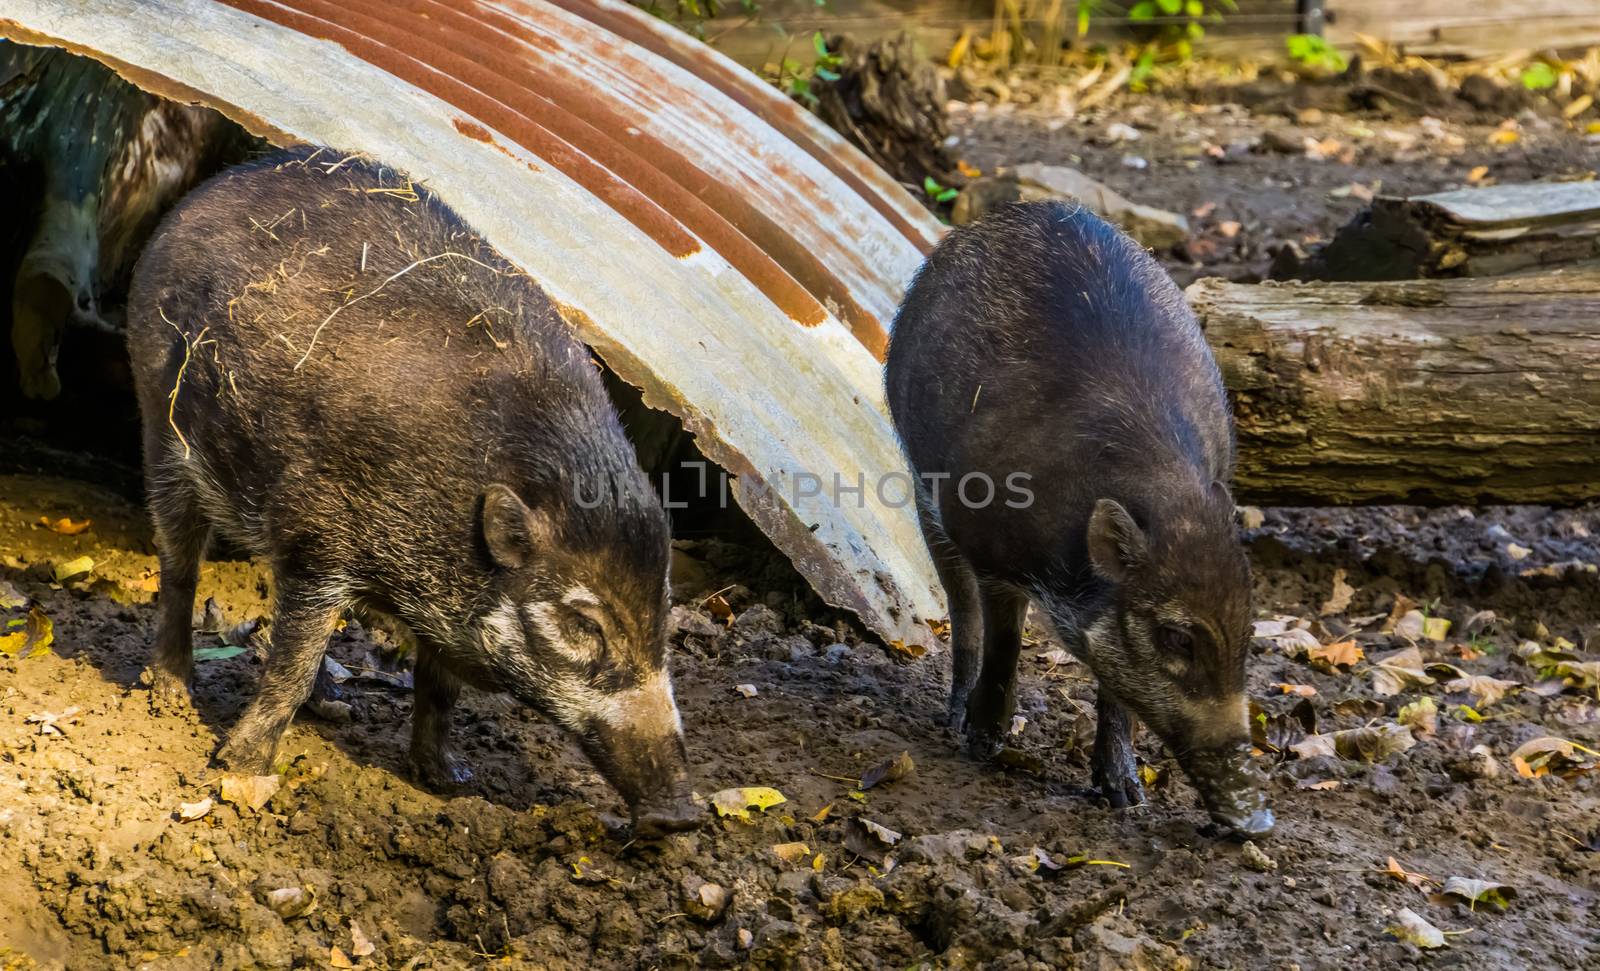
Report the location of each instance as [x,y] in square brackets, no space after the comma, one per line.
[795,78]
[1539,76]
[1314,51]
[937,191]
[1179,23]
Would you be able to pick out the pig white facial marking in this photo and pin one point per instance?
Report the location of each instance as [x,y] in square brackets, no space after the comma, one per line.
[648,711]
[542,618]
[579,595]
[502,634]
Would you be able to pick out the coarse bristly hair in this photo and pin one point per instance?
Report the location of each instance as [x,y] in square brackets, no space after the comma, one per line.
[1042,340]
[334,369]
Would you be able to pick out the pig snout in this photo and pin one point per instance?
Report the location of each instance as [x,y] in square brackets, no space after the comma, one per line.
[1231,786]
[637,743]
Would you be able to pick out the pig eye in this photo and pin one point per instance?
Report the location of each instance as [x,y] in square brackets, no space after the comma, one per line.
[1175,641]
[588,626]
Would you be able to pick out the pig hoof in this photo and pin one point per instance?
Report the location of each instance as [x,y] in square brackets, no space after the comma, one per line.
[441,772]
[1121,793]
[243,757]
[169,693]
[983,746]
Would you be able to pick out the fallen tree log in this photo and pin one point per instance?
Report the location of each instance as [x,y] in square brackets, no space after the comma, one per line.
[1465,232]
[1431,392]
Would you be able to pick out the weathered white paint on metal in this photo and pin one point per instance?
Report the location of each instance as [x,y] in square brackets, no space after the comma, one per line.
[767,398]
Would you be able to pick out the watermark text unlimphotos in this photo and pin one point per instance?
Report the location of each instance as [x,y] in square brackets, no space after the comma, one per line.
[700,483]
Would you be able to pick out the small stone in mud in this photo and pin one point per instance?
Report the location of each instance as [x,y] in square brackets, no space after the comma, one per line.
[1257,860]
[291,902]
[705,901]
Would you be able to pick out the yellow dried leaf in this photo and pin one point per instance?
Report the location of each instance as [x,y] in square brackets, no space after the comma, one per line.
[1302,690]
[912,651]
[34,639]
[1342,655]
[76,567]
[1551,755]
[1504,136]
[1477,174]
[1435,628]
[338,959]
[65,525]
[822,814]
[791,852]
[738,802]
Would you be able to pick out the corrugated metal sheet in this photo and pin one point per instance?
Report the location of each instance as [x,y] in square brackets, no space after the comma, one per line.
[717,246]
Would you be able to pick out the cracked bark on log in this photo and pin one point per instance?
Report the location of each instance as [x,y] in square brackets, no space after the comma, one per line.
[1432,392]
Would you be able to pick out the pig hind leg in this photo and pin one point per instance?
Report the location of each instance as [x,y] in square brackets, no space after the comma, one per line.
[303,618]
[181,534]
[1116,771]
[433,701]
[994,697]
[966,612]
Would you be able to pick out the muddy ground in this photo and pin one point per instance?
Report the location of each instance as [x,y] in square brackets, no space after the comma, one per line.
[995,866]
[1006,866]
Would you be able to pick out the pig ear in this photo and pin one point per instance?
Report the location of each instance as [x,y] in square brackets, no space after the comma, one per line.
[1116,544]
[511,530]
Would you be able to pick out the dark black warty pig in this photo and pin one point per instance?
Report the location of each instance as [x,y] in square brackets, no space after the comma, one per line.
[336,374]
[1044,355]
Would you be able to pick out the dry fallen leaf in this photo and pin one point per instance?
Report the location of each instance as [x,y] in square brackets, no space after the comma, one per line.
[11,597]
[1408,926]
[1435,628]
[968,170]
[360,945]
[74,568]
[1373,743]
[338,959]
[1475,892]
[1395,672]
[65,525]
[717,606]
[1303,690]
[1394,869]
[737,802]
[34,638]
[252,791]
[884,834]
[1552,756]
[748,690]
[821,815]
[912,651]
[1421,715]
[1339,600]
[188,812]
[1341,655]
[791,852]
[1477,174]
[896,768]
[1484,689]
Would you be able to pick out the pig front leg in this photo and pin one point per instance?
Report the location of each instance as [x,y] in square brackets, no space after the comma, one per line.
[432,758]
[304,617]
[966,612]
[1115,767]
[181,534]
[994,697]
